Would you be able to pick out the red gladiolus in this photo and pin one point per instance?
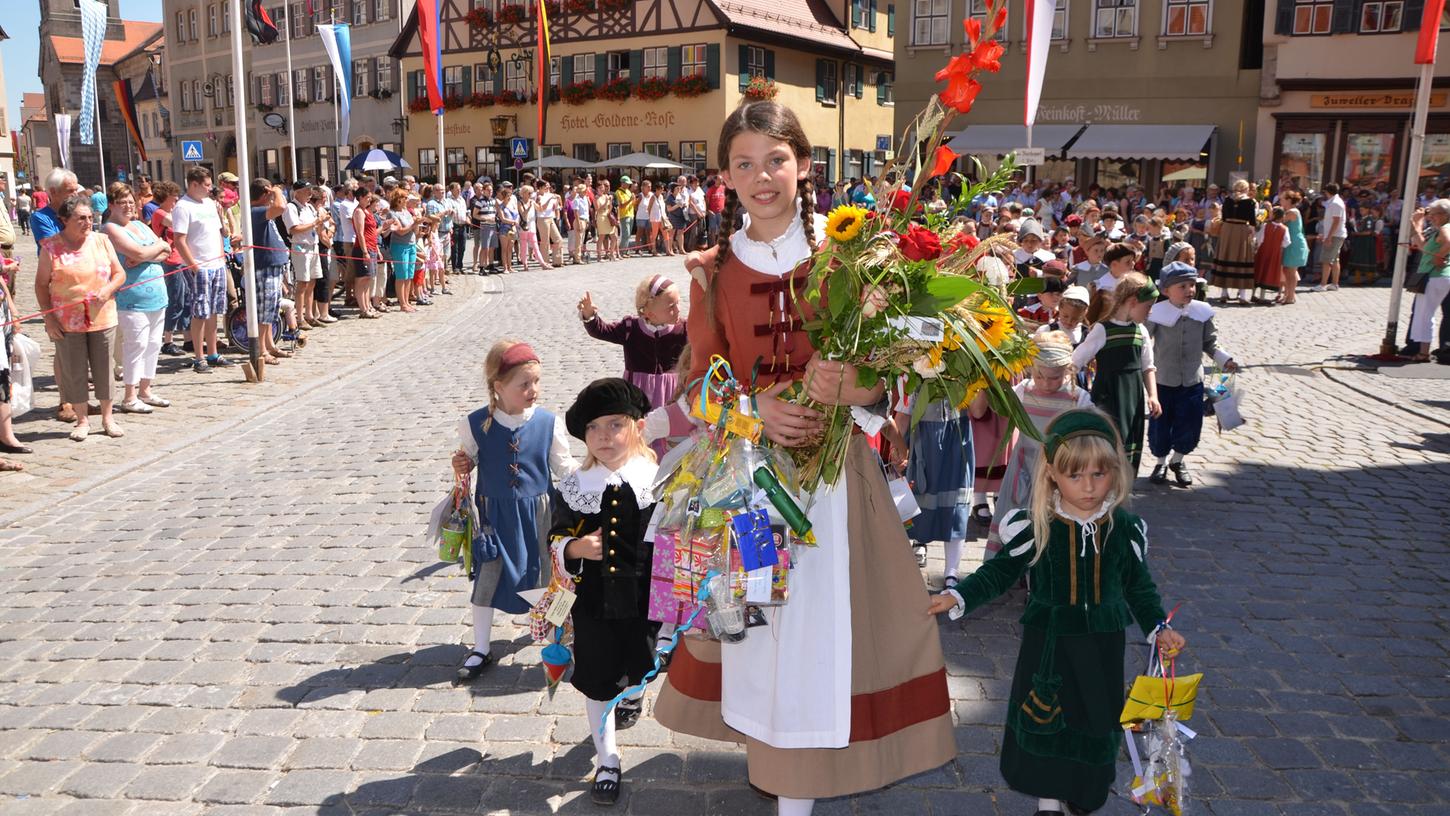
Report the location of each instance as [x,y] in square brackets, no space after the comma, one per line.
[1001,18]
[962,241]
[944,159]
[973,28]
[900,199]
[961,92]
[988,56]
[919,244]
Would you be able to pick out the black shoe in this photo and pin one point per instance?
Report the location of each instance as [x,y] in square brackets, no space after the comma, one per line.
[606,791]
[1159,475]
[627,713]
[187,347]
[466,672]
[982,515]
[1181,474]
[172,350]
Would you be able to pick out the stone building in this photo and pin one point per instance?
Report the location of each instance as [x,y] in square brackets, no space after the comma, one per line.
[199,78]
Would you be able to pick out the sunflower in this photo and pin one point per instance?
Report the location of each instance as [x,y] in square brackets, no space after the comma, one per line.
[845,222]
[996,323]
[974,388]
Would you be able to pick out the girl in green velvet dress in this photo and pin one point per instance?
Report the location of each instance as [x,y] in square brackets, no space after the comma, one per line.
[1086,562]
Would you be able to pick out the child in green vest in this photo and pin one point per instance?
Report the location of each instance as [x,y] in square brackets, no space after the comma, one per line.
[1125,386]
[1086,562]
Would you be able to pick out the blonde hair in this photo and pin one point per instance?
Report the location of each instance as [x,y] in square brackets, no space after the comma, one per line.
[1060,339]
[493,372]
[642,296]
[1076,455]
[1126,292]
[637,445]
[1242,186]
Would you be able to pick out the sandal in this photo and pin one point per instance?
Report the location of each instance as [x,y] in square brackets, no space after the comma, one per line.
[466,672]
[113,430]
[80,432]
[627,713]
[606,791]
[155,401]
[10,467]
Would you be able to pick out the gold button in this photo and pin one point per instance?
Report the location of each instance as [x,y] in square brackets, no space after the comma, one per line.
[614,503]
[613,533]
[611,552]
[614,521]
[612,569]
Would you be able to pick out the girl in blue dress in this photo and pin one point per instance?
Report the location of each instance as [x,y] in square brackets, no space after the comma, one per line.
[941,466]
[515,452]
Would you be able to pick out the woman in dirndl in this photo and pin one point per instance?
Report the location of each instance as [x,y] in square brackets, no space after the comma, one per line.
[1233,260]
[1273,241]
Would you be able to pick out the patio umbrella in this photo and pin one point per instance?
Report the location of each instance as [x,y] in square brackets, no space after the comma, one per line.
[558,163]
[377,159]
[644,161]
[1188,174]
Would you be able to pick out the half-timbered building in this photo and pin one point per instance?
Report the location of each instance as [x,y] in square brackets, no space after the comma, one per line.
[657,76]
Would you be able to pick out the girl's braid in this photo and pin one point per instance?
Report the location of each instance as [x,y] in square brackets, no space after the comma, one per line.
[808,212]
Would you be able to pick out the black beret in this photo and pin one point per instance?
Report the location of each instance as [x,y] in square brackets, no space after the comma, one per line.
[611,395]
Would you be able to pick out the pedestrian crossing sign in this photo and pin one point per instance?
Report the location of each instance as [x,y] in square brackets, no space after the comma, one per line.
[191,151]
[519,147]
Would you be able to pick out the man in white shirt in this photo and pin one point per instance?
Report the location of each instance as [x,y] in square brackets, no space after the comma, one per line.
[344,243]
[301,221]
[695,213]
[546,214]
[198,225]
[1336,229]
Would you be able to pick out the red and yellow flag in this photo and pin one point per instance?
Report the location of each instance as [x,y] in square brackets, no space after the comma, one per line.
[545,82]
[127,104]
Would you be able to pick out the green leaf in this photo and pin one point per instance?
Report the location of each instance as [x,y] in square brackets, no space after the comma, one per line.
[838,298]
[867,377]
[942,293]
[1026,286]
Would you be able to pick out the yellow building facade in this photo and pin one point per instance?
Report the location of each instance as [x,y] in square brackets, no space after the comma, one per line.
[657,76]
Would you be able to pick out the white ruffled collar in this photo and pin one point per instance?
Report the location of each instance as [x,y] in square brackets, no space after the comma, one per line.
[780,255]
[513,421]
[1089,524]
[1166,314]
[583,490]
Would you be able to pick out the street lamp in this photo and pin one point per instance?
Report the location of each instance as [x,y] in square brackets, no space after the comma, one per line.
[500,124]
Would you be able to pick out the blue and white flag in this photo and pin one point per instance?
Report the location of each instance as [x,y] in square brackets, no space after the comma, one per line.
[93,34]
[338,42]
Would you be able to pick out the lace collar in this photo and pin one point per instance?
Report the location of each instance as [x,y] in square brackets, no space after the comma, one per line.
[583,490]
[779,256]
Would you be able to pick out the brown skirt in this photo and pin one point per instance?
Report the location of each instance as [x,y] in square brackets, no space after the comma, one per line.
[901,717]
[1233,260]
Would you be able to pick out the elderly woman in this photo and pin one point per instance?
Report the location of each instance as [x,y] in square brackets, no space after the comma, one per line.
[78,276]
[142,304]
[1435,266]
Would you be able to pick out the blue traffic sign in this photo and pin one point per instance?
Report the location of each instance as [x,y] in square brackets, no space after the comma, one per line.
[883,142]
[191,151]
[519,147]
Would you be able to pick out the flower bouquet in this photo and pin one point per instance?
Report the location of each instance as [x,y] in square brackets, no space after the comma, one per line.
[906,296]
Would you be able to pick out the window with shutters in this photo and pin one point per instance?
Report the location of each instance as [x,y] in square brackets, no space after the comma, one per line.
[656,62]
[381,9]
[295,20]
[929,21]
[276,14]
[614,150]
[661,149]
[320,86]
[1115,18]
[227,17]
[551,150]
[554,69]
[692,59]
[359,12]
[362,71]
[616,66]
[264,89]
[853,80]
[586,152]
[1186,18]
[211,20]
[1059,20]
[384,75]
[692,155]
[858,13]
[829,81]
[181,26]
[284,90]
[516,76]
[300,85]
[584,67]
[890,20]
[977,9]
[755,61]
[457,161]
[1381,17]
[854,163]
[820,161]
[885,88]
[1313,16]
[191,25]
[325,169]
[453,81]
[427,161]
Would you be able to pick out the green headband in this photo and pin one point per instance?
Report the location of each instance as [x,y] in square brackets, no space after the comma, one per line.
[1076,423]
[1147,292]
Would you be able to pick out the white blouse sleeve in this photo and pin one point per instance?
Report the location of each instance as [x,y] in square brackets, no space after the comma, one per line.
[561,461]
[1145,357]
[466,442]
[657,424]
[1089,347]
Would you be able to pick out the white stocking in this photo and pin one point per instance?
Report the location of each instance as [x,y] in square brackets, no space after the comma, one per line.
[482,632]
[794,807]
[606,749]
[954,556]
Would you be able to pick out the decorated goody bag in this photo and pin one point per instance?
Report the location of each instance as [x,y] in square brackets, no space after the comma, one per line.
[1156,707]
[1223,399]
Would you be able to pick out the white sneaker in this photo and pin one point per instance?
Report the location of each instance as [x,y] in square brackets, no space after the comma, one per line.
[1319,288]
[134,406]
[1333,287]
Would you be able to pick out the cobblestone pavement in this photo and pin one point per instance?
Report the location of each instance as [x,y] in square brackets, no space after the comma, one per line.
[252,624]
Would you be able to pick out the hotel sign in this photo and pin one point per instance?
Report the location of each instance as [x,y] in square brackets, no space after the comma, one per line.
[1372,99]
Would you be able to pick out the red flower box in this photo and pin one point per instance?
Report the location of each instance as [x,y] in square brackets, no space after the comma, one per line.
[578,93]
[692,85]
[512,14]
[652,88]
[615,90]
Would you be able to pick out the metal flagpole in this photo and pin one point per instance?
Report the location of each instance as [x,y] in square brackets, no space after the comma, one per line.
[1407,208]
[291,94]
[441,163]
[100,151]
[244,190]
[336,126]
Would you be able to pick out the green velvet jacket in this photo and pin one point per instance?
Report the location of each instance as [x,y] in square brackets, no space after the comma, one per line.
[1092,578]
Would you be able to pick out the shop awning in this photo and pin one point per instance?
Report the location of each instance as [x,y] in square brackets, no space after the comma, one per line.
[993,140]
[1141,142]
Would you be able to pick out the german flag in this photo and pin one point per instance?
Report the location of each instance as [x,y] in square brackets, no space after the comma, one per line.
[544,84]
[127,103]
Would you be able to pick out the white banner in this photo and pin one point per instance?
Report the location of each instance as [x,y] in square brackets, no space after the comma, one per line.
[93,34]
[338,42]
[62,138]
[1039,40]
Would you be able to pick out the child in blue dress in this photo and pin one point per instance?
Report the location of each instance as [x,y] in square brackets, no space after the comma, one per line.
[941,466]
[515,452]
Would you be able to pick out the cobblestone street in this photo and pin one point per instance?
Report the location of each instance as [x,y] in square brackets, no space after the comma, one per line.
[251,622]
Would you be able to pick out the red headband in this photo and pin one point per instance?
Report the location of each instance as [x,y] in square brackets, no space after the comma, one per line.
[518,354]
[659,284]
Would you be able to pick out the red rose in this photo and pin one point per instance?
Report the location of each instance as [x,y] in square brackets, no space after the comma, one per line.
[900,200]
[962,241]
[920,244]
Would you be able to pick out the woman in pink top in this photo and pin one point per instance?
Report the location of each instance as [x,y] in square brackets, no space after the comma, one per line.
[78,276]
